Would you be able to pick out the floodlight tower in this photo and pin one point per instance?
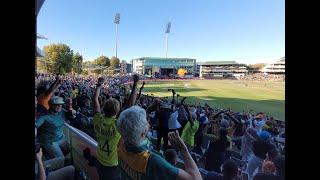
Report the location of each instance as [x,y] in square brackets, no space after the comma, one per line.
[167,32]
[117,21]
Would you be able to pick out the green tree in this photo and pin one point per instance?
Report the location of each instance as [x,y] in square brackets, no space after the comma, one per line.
[87,64]
[114,62]
[59,58]
[100,64]
[77,63]
[98,71]
[85,72]
[41,66]
[109,71]
[102,61]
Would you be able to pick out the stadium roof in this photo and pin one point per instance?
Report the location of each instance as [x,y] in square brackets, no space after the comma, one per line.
[218,63]
[40,53]
[163,58]
[39,4]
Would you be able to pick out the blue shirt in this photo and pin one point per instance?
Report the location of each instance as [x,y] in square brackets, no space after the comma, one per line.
[50,127]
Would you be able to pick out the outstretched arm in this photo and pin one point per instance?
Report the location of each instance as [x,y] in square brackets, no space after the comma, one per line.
[143,83]
[133,94]
[233,118]
[191,170]
[54,86]
[173,100]
[216,115]
[186,108]
[153,106]
[182,100]
[96,95]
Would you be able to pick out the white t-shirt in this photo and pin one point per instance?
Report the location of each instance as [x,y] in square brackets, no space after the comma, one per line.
[173,122]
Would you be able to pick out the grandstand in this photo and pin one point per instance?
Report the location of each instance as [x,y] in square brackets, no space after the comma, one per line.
[277,67]
[205,106]
[221,69]
[162,67]
[125,67]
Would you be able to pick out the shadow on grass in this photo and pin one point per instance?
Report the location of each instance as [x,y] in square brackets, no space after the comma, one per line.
[271,107]
[177,89]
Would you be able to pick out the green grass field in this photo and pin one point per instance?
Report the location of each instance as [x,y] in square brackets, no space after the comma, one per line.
[268,97]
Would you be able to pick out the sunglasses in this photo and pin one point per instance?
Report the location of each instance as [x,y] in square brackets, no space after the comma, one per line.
[57,104]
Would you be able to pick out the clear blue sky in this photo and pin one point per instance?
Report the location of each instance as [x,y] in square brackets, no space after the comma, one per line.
[246,31]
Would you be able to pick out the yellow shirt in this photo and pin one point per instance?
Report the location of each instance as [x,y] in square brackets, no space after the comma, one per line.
[189,132]
[108,138]
[74,93]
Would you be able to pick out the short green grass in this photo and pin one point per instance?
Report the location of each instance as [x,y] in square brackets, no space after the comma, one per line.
[268,97]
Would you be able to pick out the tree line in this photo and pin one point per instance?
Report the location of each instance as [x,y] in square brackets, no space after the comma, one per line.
[60,59]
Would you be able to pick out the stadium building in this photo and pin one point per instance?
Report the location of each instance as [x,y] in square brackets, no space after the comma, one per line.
[275,68]
[197,70]
[125,68]
[163,67]
[222,69]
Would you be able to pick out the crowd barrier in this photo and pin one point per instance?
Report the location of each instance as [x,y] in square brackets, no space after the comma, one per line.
[79,141]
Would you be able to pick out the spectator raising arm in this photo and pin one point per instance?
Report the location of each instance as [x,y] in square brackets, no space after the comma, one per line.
[182,100]
[189,114]
[153,106]
[233,118]
[191,170]
[216,115]
[97,108]
[143,83]
[55,86]
[133,95]
[173,100]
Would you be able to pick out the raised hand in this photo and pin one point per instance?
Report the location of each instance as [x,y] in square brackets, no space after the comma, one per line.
[135,78]
[176,141]
[39,154]
[101,80]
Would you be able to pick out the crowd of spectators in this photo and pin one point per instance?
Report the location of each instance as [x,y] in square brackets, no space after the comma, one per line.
[263,77]
[145,137]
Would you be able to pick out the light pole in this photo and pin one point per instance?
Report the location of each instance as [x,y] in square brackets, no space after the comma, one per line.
[167,32]
[117,21]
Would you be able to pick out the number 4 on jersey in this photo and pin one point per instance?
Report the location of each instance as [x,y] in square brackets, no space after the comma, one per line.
[105,147]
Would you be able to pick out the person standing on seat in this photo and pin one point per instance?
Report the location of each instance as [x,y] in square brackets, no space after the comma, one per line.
[107,135]
[104,123]
[50,128]
[190,129]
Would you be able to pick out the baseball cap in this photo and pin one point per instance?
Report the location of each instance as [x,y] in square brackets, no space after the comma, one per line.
[56,100]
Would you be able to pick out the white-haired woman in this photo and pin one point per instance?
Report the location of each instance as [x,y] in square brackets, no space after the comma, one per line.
[138,161]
